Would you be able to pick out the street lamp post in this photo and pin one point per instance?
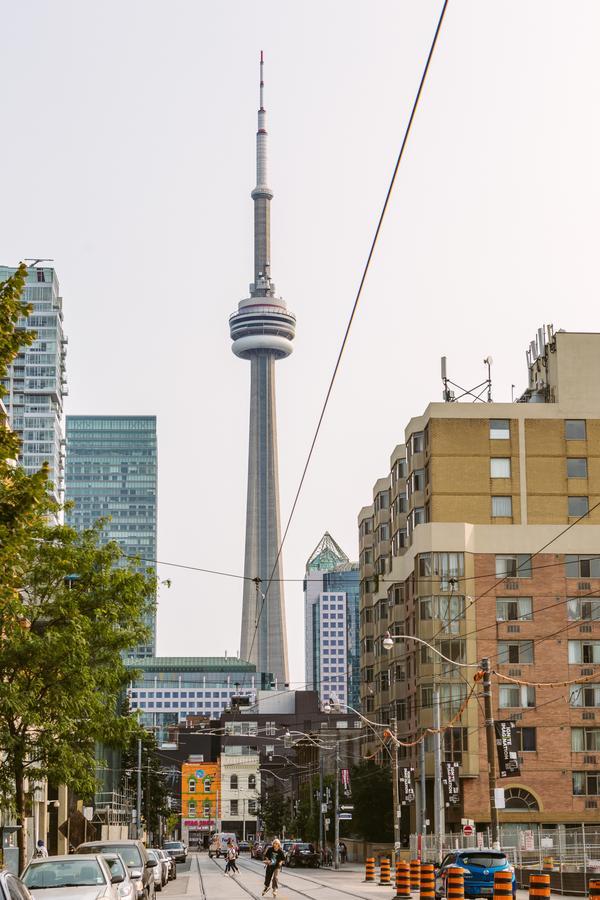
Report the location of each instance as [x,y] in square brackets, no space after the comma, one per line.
[490,738]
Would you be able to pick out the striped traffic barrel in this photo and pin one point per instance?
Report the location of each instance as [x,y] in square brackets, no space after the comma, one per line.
[455,884]
[415,874]
[370,868]
[548,864]
[402,879]
[503,885]
[427,889]
[384,871]
[594,893]
[539,886]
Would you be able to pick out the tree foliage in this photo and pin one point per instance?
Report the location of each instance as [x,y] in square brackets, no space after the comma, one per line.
[275,812]
[155,795]
[372,818]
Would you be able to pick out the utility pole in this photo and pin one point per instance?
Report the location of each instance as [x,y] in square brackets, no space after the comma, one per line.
[490,739]
[138,815]
[438,794]
[423,791]
[336,849]
[321,795]
[395,797]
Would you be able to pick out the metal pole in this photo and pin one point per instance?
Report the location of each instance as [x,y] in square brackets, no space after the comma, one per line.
[395,797]
[336,849]
[320,800]
[490,738]
[138,814]
[438,795]
[423,788]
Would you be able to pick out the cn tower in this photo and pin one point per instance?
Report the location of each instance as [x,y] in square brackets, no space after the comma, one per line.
[262,331]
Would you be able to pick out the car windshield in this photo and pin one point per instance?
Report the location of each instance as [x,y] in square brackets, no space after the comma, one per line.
[304,846]
[484,860]
[173,845]
[116,866]
[130,853]
[64,873]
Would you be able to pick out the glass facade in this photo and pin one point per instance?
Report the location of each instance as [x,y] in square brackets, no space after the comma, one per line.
[331,607]
[111,473]
[36,380]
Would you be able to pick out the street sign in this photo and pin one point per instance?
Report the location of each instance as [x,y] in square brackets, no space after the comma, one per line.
[468,830]
[323,807]
[347,808]
[344,817]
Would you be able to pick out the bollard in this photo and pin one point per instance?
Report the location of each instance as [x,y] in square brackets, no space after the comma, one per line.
[427,888]
[455,884]
[370,868]
[539,886]
[548,864]
[594,893]
[503,885]
[402,879]
[415,874]
[384,871]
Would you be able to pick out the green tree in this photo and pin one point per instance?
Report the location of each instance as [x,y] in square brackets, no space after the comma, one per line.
[372,818]
[155,796]
[276,813]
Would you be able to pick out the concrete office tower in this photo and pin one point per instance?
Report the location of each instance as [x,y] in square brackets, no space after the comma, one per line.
[474,542]
[262,331]
[36,380]
[331,623]
[112,472]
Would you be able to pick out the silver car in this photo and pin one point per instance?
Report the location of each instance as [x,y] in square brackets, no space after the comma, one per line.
[11,886]
[171,864]
[73,877]
[158,871]
[116,864]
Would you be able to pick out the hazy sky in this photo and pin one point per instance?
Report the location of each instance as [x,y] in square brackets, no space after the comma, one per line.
[127,155]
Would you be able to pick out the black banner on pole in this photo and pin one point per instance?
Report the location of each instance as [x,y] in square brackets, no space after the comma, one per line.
[407,788]
[452,783]
[508,760]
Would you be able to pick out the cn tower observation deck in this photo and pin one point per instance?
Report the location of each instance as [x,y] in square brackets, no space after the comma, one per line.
[262,331]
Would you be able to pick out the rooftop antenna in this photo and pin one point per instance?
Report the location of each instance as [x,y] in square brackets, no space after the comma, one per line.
[32,263]
[476,392]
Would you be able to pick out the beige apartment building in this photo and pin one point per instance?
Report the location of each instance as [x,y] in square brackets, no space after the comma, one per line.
[466,545]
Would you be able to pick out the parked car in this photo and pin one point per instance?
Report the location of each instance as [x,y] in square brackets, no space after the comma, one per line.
[159,871]
[54,877]
[480,865]
[135,858]
[257,849]
[11,886]
[243,846]
[171,864]
[116,864]
[176,850]
[302,854]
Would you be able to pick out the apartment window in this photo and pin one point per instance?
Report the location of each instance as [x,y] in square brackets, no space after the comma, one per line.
[454,650]
[585,739]
[577,467]
[449,610]
[499,429]
[582,608]
[448,566]
[517,566]
[191,807]
[455,743]
[426,696]
[586,784]
[367,557]
[515,696]
[500,467]
[206,809]
[191,785]
[525,739]
[417,442]
[366,527]
[233,807]
[251,782]
[582,566]
[383,533]
[514,609]
[233,782]
[452,696]
[501,507]
[578,506]
[515,652]
[584,652]
[270,729]
[575,429]
[584,695]
[418,515]
[252,807]
[418,480]
[382,500]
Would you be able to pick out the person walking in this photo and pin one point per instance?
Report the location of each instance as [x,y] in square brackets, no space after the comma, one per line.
[231,857]
[274,858]
[40,851]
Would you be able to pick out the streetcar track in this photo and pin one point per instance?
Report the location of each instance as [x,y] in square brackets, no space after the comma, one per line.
[202,888]
[321,884]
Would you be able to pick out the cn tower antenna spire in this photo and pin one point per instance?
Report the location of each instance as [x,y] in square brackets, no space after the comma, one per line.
[262,81]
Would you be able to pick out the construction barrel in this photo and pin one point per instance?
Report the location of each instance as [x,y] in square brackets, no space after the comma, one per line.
[384,871]
[402,879]
[370,868]
[415,874]
[539,886]
[427,890]
[455,885]
[503,885]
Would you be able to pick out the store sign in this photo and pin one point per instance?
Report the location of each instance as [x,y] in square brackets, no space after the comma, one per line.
[407,788]
[197,823]
[508,761]
[452,784]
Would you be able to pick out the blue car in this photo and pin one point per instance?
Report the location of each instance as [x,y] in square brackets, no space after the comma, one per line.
[479,868]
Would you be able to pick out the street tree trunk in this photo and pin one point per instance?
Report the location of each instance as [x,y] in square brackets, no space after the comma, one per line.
[20,812]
